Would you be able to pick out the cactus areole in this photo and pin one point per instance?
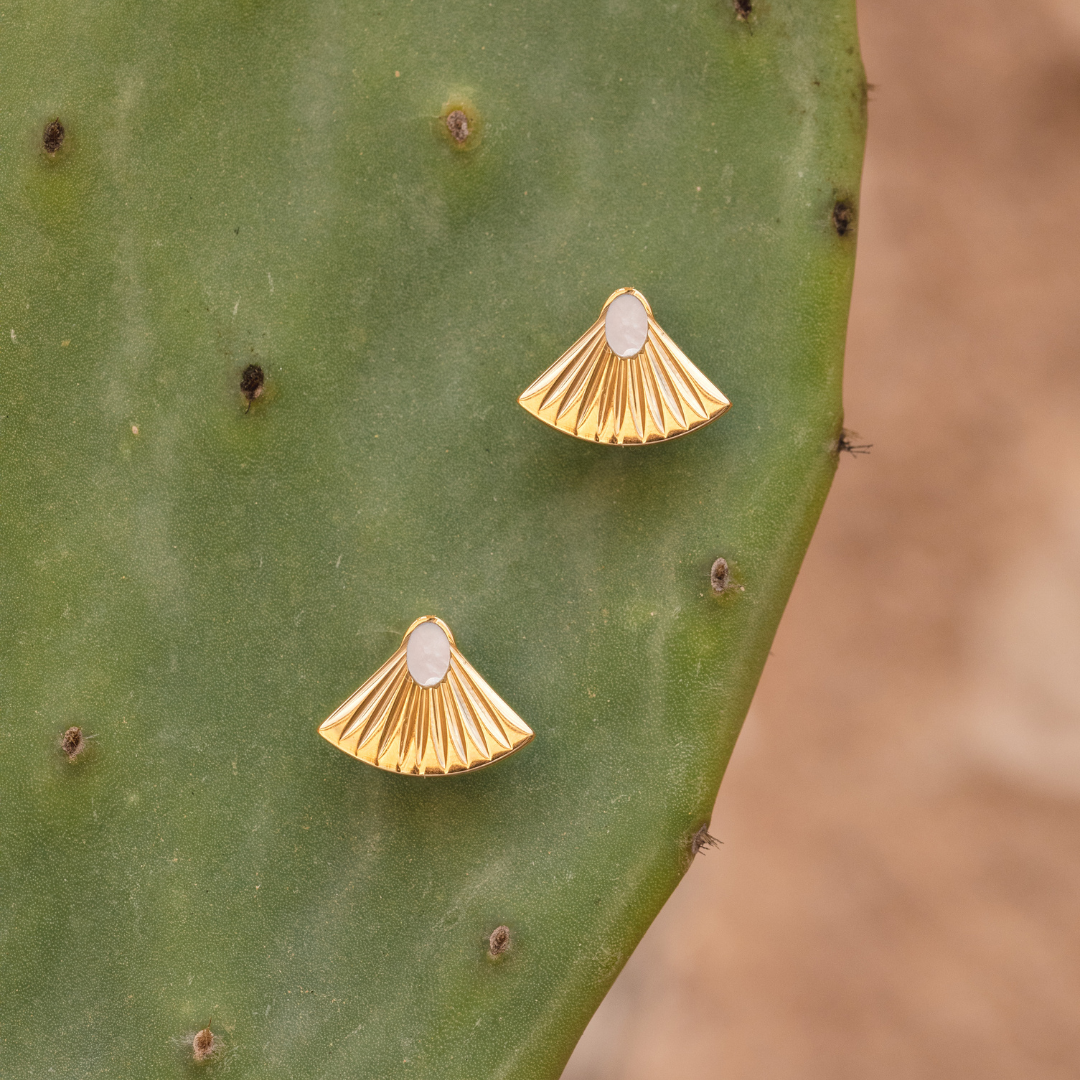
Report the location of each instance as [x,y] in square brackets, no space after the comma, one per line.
[273,276]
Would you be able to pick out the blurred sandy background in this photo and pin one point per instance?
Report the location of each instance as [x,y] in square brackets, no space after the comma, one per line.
[898,894]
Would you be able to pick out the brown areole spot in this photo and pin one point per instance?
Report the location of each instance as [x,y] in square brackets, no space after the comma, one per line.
[843,217]
[53,136]
[846,444]
[458,125]
[701,839]
[73,742]
[251,382]
[204,1045]
[499,941]
[720,576]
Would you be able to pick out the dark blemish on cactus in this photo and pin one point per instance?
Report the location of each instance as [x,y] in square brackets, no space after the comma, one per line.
[846,444]
[701,840]
[720,576]
[499,941]
[457,123]
[205,1045]
[743,8]
[843,217]
[251,382]
[73,742]
[53,137]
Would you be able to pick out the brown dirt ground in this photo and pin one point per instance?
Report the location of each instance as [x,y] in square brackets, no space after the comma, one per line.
[898,894]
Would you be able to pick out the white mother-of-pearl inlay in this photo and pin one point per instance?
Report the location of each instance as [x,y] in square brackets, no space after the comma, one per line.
[428,654]
[626,325]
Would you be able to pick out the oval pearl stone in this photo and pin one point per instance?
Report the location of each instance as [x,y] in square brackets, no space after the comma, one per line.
[626,325]
[428,654]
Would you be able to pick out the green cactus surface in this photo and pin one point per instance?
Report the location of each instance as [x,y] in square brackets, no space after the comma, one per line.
[196,576]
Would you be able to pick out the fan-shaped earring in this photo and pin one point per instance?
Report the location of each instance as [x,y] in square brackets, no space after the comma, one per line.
[624,381]
[426,711]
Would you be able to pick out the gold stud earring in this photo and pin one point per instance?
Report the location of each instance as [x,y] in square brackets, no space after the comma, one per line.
[624,382]
[426,711]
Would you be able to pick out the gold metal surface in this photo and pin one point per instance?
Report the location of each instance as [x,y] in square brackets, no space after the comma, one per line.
[394,723]
[596,395]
